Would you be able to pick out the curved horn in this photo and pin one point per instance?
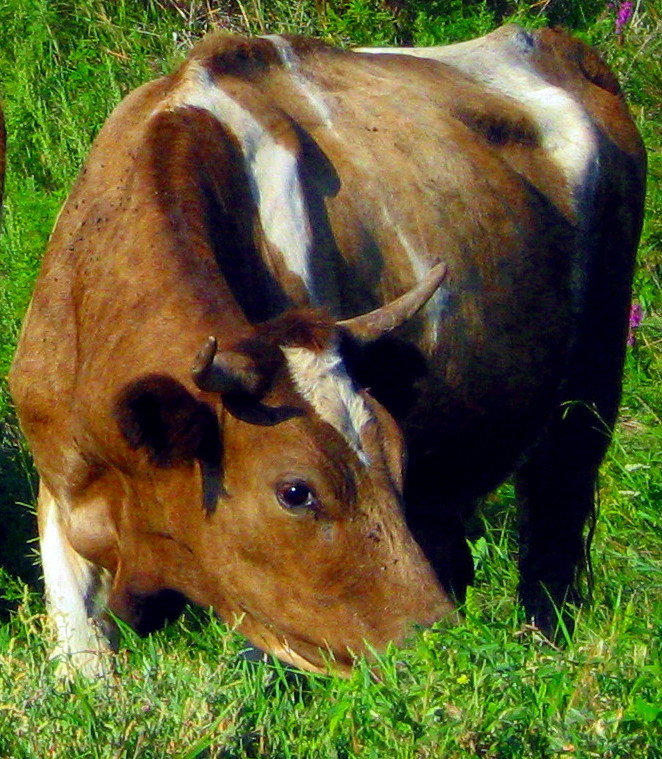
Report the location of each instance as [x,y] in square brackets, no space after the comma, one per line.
[227,371]
[382,320]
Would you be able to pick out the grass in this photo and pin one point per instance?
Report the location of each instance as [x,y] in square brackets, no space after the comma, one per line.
[489,688]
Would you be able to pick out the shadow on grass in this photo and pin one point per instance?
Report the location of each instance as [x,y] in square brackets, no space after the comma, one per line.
[18,523]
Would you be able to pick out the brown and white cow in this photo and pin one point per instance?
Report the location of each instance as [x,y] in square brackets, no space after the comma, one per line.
[240,328]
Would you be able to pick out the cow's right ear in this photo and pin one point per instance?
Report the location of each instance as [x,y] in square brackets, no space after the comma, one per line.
[159,415]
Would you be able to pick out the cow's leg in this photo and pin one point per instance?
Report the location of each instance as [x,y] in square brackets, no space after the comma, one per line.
[556,491]
[75,595]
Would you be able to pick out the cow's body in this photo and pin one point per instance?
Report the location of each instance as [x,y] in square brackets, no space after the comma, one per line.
[272,174]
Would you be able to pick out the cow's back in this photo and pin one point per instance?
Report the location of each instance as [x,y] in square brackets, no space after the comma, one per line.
[280,171]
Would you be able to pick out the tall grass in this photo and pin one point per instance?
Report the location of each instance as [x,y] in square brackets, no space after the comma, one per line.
[489,688]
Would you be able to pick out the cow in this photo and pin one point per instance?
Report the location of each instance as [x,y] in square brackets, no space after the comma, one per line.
[303,307]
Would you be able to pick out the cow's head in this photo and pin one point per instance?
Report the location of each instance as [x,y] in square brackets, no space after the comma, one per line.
[298,531]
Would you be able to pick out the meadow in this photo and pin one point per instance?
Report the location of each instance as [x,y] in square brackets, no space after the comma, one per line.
[491,687]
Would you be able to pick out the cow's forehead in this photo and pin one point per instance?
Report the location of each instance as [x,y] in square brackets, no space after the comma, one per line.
[322,379]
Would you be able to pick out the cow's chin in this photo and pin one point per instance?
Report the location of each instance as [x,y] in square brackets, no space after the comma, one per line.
[302,654]
[321,665]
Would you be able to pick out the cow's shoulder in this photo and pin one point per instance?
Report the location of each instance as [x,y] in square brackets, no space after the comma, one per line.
[234,54]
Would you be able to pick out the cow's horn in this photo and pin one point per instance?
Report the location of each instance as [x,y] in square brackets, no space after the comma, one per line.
[227,371]
[382,320]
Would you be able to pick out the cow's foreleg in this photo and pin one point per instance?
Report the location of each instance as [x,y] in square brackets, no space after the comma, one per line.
[76,591]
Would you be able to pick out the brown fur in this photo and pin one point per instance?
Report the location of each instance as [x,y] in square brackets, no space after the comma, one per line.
[160,245]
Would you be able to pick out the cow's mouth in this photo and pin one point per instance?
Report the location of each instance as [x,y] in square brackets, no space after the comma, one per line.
[321,665]
[296,651]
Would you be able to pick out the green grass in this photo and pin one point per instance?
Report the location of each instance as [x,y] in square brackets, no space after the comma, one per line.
[489,688]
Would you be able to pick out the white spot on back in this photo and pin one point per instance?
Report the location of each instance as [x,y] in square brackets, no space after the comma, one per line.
[322,380]
[500,62]
[272,171]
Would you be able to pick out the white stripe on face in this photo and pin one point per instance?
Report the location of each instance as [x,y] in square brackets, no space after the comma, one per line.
[272,170]
[322,380]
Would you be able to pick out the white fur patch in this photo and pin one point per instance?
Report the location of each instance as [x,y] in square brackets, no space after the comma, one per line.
[310,91]
[71,585]
[500,62]
[322,380]
[420,264]
[272,170]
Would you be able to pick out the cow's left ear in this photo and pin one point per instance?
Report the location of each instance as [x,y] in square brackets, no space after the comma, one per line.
[160,416]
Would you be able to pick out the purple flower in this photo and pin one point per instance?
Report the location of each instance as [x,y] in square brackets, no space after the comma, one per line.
[636,317]
[623,15]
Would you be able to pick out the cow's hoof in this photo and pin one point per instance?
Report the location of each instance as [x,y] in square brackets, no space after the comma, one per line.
[91,665]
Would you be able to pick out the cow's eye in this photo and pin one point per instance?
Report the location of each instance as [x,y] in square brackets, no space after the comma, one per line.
[295,494]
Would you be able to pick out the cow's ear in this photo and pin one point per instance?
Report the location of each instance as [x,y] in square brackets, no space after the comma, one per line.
[159,415]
